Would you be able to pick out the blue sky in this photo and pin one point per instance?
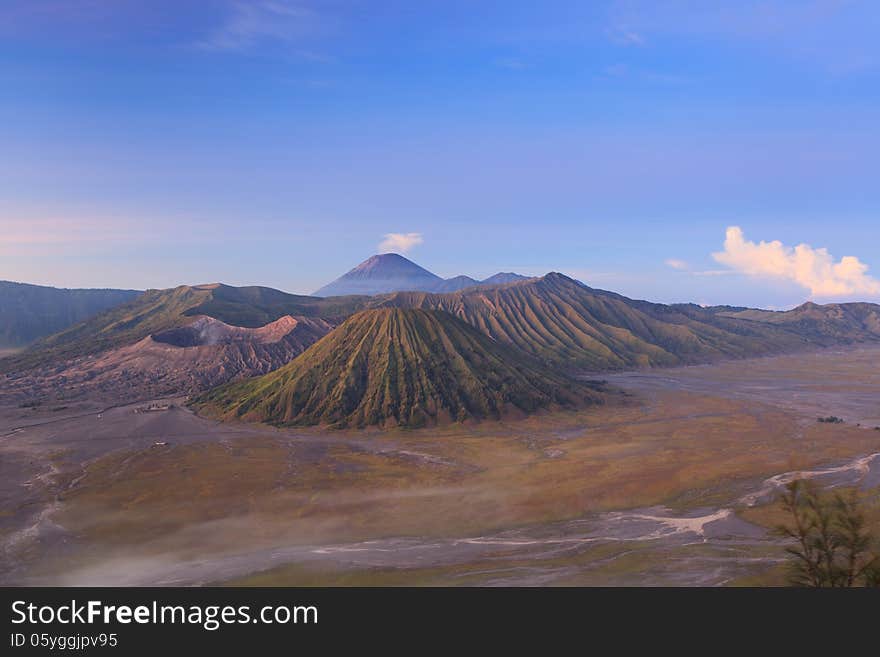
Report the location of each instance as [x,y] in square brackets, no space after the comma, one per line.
[148,144]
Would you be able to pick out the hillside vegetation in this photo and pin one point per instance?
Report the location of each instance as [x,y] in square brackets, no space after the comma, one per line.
[30,312]
[156,311]
[834,323]
[399,367]
[558,321]
[565,323]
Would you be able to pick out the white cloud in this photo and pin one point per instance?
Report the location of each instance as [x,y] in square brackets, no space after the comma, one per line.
[400,242]
[681,265]
[250,23]
[813,269]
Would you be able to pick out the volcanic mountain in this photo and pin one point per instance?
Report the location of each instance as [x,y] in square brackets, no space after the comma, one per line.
[567,324]
[170,342]
[390,272]
[399,367]
[455,284]
[185,360]
[387,272]
[156,311]
[830,324]
[163,338]
[502,278]
[30,312]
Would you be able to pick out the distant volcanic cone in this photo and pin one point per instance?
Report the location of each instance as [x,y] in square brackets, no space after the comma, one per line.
[388,272]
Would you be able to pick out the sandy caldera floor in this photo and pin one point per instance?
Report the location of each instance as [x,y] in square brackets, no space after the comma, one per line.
[673,483]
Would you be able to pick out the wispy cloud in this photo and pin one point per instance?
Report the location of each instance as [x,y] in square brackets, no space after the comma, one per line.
[838,35]
[675,263]
[813,269]
[714,272]
[45,232]
[250,23]
[400,242]
[71,235]
[683,266]
[624,36]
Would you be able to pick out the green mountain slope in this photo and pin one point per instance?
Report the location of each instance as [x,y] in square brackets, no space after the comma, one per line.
[257,306]
[831,324]
[155,311]
[565,323]
[398,367]
[555,319]
[30,312]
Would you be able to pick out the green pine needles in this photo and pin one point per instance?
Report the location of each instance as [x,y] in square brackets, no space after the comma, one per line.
[832,544]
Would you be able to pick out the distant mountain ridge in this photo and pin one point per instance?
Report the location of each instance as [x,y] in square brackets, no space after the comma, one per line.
[503,277]
[391,272]
[554,318]
[825,324]
[186,339]
[362,374]
[568,324]
[454,284]
[29,312]
[156,311]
